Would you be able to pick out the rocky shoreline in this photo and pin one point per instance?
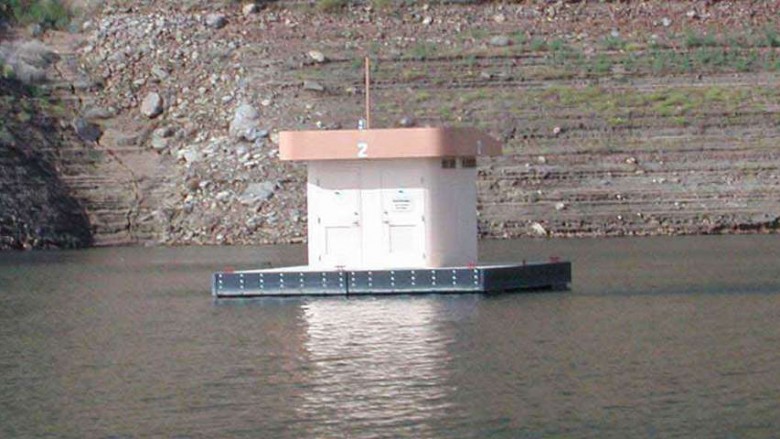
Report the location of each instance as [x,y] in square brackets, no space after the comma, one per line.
[618,119]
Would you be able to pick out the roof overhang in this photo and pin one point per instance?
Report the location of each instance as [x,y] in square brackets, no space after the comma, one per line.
[386,144]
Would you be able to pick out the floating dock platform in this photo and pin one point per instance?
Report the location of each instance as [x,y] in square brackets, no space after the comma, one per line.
[304,281]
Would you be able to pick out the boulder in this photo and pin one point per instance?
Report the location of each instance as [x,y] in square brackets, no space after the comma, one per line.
[538,229]
[159,73]
[216,21]
[159,144]
[95,113]
[249,9]
[317,56]
[407,122]
[255,192]
[245,123]
[313,86]
[152,105]
[500,41]
[89,132]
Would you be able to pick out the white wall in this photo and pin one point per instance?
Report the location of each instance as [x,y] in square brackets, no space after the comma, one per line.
[392,213]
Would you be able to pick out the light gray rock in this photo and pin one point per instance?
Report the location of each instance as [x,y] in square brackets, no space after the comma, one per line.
[161,138]
[159,72]
[152,105]
[249,9]
[407,122]
[500,41]
[159,143]
[164,132]
[254,133]
[117,57]
[223,196]
[245,123]
[255,192]
[317,56]
[189,155]
[313,86]
[538,229]
[216,21]
[97,113]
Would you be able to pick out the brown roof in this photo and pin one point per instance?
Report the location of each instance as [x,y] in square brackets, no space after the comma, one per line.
[385,143]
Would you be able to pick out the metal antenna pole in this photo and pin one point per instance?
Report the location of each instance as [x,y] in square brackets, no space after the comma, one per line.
[368,94]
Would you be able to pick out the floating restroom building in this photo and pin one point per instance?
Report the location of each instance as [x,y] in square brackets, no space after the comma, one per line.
[390,198]
[390,211]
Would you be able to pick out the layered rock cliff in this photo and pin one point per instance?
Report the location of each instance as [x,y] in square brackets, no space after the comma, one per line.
[625,118]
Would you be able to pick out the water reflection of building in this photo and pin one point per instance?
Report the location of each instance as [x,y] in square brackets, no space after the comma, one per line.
[375,364]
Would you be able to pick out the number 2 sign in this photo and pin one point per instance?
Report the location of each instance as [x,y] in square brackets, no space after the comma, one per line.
[362,150]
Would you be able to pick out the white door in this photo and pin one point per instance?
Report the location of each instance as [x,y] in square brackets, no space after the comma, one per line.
[403,220]
[340,217]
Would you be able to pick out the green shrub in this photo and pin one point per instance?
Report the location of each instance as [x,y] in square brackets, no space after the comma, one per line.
[518,37]
[422,51]
[6,71]
[695,40]
[382,5]
[538,45]
[771,38]
[613,43]
[602,65]
[557,45]
[331,5]
[51,13]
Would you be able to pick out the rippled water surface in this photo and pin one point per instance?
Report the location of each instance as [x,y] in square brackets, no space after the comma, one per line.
[662,337]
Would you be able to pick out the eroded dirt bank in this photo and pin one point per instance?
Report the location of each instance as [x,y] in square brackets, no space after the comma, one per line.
[631,118]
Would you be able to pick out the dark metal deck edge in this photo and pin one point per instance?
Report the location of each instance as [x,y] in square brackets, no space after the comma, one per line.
[480,279]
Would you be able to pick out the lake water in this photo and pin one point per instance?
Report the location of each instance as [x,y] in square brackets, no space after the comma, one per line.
[658,337]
